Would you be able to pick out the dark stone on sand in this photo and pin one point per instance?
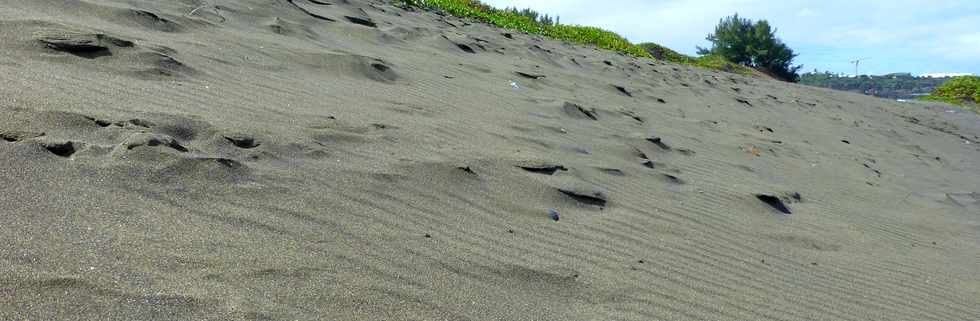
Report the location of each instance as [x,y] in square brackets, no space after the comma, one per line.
[553,214]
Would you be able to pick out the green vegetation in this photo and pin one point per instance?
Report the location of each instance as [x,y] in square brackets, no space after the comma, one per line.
[529,22]
[754,44]
[714,62]
[544,19]
[963,91]
[892,86]
[664,53]
[717,62]
[532,22]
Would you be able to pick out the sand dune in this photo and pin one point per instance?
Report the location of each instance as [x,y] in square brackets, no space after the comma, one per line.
[341,160]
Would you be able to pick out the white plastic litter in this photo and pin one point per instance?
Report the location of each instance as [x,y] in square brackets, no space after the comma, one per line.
[515,85]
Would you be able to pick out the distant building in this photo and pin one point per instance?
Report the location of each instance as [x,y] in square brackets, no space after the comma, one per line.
[897,74]
[946,74]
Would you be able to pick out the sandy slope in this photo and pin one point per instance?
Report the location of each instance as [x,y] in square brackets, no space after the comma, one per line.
[280,159]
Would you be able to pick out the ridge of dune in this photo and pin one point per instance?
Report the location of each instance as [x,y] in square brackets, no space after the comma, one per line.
[325,160]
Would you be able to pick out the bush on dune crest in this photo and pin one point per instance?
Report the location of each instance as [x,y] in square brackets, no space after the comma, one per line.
[528,21]
[664,53]
[513,19]
[715,62]
[963,91]
[718,62]
[753,44]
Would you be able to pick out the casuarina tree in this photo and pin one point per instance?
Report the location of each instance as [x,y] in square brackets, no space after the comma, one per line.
[753,44]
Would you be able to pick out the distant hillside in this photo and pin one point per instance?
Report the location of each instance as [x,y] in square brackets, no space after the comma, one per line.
[892,86]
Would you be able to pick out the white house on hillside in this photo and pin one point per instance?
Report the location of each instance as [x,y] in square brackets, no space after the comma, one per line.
[945,74]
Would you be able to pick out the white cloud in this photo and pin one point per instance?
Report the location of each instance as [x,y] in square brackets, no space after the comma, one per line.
[959,47]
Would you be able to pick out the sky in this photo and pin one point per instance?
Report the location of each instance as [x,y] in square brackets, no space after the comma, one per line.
[916,36]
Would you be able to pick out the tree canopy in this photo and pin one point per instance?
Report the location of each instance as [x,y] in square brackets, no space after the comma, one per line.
[753,44]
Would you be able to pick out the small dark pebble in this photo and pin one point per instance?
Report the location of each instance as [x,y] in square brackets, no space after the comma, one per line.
[814,263]
[428,236]
[553,214]
[641,261]
[510,231]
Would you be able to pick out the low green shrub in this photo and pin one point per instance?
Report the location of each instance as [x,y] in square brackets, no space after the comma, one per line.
[664,53]
[962,91]
[519,20]
[715,62]
[532,22]
[597,37]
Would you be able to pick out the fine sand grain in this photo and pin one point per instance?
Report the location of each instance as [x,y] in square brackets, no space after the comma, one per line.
[306,160]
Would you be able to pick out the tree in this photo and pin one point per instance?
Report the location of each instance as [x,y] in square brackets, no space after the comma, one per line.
[752,44]
[535,16]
